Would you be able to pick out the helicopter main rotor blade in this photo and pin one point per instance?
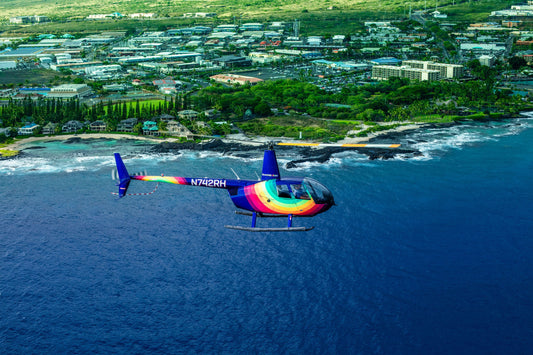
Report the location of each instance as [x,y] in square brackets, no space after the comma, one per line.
[345,145]
[298,144]
[247,141]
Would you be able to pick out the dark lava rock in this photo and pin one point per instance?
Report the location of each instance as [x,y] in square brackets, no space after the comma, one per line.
[308,154]
[72,140]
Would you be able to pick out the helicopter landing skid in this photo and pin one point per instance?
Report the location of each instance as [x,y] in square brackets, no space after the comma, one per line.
[281,229]
[254,216]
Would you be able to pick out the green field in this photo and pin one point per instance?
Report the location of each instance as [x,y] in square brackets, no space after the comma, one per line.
[34,77]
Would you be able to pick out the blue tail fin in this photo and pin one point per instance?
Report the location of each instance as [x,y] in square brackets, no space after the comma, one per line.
[123,176]
[270,166]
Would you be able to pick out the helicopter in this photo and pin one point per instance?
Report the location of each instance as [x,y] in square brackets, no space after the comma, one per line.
[271,196]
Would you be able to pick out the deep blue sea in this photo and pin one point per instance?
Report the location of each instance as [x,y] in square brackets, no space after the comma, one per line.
[431,255]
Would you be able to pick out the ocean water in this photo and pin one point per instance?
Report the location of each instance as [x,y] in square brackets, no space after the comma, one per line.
[425,255]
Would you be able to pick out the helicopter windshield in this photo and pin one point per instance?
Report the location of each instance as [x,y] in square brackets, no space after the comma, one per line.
[319,193]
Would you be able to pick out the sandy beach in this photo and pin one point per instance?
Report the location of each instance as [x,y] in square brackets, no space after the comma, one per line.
[19,145]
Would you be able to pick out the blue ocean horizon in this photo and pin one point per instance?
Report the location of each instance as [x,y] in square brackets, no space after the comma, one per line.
[426,255]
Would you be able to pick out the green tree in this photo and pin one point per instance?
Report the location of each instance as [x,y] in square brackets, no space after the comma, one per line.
[517,62]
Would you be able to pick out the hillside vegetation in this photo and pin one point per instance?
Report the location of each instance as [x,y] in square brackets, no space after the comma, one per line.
[335,13]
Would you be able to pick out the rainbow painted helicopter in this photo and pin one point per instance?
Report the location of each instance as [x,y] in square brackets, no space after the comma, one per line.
[271,196]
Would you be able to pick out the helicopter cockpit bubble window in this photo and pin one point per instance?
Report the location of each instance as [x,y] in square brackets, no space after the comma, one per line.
[319,193]
[283,191]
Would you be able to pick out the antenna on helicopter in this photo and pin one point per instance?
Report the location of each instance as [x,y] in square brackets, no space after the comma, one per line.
[238,178]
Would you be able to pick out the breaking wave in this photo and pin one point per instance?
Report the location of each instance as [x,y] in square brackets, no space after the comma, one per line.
[433,143]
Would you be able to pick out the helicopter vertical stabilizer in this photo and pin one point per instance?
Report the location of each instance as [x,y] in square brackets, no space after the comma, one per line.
[123,175]
[270,166]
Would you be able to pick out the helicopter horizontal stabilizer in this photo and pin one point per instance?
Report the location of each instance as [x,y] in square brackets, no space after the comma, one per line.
[123,175]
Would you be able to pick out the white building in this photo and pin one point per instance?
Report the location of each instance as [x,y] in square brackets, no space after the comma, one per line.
[384,72]
[449,71]
[487,60]
[143,15]
[68,91]
[28,129]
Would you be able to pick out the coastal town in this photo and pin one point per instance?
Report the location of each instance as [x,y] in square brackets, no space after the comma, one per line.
[266,177]
[172,82]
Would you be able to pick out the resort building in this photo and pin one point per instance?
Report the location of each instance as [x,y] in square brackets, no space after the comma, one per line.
[384,72]
[6,131]
[127,125]
[50,128]
[150,128]
[448,71]
[98,126]
[175,128]
[188,115]
[72,126]
[28,129]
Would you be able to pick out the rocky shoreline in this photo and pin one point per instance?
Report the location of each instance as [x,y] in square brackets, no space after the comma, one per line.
[305,154]
[245,149]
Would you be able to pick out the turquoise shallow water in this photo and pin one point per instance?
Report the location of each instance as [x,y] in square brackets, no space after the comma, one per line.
[425,255]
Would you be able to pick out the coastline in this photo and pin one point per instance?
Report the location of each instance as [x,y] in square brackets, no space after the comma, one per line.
[19,144]
[242,145]
[246,146]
